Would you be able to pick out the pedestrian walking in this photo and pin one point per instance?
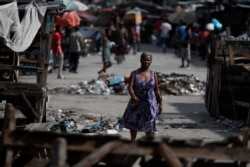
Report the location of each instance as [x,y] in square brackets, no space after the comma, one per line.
[106,52]
[185,49]
[181,35]
[132,41]
[157,30]
[145,103]
[165,28]
[75,48]
[58,55]
[124,37]
[203,39]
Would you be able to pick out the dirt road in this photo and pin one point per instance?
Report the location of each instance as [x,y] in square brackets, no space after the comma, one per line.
[183,116]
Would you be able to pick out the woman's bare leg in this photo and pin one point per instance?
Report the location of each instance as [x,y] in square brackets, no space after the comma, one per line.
[133,134]
[150,134]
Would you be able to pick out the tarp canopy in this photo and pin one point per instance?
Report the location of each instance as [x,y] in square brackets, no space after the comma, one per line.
[73,5]
[86,16]
[188,17]
[70,19]
[24,30]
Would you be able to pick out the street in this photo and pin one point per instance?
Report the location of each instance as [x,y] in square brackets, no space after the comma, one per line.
[183,117]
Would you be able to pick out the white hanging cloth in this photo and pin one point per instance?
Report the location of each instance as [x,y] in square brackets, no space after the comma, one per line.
[24,31]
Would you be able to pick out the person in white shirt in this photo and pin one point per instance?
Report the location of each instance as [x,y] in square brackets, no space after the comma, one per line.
[165,28]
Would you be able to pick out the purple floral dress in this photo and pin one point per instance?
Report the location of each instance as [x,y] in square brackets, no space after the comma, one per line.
[142,116]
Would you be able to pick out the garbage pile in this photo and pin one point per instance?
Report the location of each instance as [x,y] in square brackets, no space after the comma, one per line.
[106,84]
[181,84]
[93,123]
[87,123]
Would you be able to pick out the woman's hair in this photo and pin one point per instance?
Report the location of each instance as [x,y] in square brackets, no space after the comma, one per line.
[144,54]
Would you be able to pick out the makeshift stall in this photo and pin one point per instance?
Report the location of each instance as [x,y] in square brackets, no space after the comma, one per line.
[25,51]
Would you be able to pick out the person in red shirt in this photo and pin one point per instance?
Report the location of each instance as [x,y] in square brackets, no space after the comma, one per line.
[157,31]
[56,46]
[203,37]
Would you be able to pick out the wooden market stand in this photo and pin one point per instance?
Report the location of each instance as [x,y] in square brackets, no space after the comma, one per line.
[228,77]
[28,97]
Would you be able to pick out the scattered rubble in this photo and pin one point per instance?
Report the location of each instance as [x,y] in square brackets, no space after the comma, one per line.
[106,84]
[86,123]
[92,123]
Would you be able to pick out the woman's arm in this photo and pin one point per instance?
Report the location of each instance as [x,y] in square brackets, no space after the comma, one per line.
[158,94]
[131,89]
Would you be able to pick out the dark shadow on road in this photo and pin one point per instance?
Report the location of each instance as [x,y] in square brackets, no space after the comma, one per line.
[193,116]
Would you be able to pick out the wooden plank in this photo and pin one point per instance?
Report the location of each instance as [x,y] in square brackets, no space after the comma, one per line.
[213,153]
[33,111]
[230,49]
[239,78]
[92,143]
[215,89]
[59,153]
[169,156]
[37,162]
[133,150]
[242,104]
[10,125]
[217,45]
[243,52]
[21,68]
[11,85]
[15,92]
[28,61]
[97,155]
[237,42]
[75,142]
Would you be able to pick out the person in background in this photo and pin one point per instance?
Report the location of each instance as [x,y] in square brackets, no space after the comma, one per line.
[132,36]
[138,36]
[185,50]
[203,38]
[165,28]
[145,103]
[124,38]
[157,30]
[75,47]
[106,52]
[56,46]
[181,36]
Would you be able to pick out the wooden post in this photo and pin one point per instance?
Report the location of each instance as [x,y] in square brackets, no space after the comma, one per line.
[214,109]
[230,49]
[34,112]
[169,156]
[9,125]
[96,156]
[59,153]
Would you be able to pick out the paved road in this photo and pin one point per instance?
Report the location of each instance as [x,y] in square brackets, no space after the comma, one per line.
[183,116]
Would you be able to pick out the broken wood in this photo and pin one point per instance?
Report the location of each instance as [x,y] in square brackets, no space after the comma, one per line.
[169,156]
[34,112]
[97,155]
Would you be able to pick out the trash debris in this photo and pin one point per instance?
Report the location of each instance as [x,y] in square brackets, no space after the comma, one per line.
[232,124]
[85,123]
[181,84]
[105,84]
